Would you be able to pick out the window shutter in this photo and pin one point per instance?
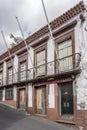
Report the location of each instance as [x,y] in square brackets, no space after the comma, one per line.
[40,63]
[65,50]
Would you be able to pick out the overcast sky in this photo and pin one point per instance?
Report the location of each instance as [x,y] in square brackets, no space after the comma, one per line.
[30,14]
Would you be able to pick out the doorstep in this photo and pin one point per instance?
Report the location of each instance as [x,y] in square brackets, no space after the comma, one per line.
[65,122]
[40,115]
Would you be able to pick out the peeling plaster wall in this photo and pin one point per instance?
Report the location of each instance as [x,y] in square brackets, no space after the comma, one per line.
[15,93]
[15,64]
[78,37]
[15,68]
[81,79]
[50,57]
[4,73]
[3,99]
[30,94]
[30,62]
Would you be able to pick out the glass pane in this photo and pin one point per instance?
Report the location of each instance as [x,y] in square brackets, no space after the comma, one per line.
[9,93]
[69,50]
[40,58]
[0,78]
[0,75]
[69,42]
[23,66]
[40,63]
[41,70]
[66,99]
[23,71]
[10,70]
[65,52]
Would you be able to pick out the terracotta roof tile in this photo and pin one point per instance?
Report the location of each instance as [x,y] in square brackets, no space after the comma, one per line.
[80,7]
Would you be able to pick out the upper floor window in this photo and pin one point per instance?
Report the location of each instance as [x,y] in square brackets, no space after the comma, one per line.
[1,94]
[23,68]
[10,72]
[1,74]
[1,77]
[40,63]
[65,55]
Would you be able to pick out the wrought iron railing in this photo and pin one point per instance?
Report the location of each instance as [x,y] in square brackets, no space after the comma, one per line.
[58,66]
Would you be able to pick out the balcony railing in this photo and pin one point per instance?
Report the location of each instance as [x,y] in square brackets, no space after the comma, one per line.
[65,64]
[1,82]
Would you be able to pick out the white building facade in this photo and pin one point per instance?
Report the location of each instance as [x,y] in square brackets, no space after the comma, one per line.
[46,83]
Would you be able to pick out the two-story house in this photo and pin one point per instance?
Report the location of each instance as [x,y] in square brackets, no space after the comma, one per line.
[50,80]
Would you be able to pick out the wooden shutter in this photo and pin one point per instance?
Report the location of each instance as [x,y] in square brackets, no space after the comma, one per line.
[0,78]
[23,70]
[40,63]
[65,50]
[10,71]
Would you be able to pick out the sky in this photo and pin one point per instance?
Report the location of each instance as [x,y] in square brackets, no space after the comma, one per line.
[30,14]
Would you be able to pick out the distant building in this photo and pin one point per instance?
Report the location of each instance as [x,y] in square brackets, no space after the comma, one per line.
[51,86]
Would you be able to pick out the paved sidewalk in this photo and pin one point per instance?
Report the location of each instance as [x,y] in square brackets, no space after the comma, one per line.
[35,123]
[12,119]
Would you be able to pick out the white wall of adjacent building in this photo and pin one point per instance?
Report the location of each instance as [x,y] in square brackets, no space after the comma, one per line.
[15,93]
[3,98]
[81,79]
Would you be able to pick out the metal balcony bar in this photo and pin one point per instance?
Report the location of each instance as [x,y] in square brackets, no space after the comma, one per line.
[58,66]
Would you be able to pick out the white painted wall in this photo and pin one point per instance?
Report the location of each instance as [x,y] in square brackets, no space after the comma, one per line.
[51,98]
[15,64]
[50,57]
[30,63]
[3,99]
[15,78]
[78,37]
[30,95]
[4,73]
[15,93]
[81,79]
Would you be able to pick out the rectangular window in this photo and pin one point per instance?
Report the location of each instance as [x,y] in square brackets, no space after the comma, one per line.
[1,94]
[9,94]
[23,71]
[10,72]
[1,74]
[40,63]
[65,55]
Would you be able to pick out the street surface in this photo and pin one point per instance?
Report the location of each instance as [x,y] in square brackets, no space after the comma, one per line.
[11,119]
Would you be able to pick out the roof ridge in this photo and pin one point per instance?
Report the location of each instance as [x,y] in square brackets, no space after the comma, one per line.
[62,18]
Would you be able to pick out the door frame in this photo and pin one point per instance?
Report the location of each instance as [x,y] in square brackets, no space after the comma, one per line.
[18,98]
[36,87]
[59,100]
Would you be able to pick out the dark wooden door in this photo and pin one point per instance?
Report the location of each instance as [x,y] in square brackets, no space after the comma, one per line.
[66,99]
[22,99]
